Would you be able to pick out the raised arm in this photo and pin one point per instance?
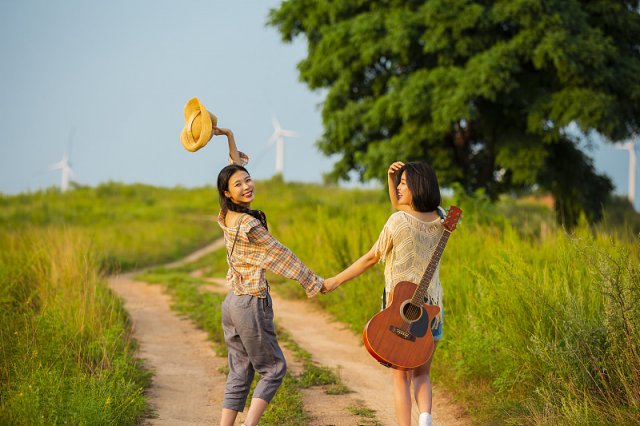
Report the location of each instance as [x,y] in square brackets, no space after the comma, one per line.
[391,181]
[234,154]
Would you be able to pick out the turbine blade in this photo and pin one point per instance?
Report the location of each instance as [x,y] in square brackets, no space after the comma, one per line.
[274,137]
[275,122]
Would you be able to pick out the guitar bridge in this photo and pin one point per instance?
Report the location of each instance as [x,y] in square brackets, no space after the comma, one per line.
[402,333]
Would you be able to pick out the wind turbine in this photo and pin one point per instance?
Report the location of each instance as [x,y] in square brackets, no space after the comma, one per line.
[631,147]
[278,138]
[64,165]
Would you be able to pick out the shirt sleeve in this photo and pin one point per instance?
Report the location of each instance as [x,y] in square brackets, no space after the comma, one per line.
[384,244]
[244,159]
[282,261]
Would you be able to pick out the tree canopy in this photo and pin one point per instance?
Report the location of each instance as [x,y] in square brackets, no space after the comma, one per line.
[483,90]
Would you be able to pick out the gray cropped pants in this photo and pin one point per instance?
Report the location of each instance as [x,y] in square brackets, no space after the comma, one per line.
[247,322]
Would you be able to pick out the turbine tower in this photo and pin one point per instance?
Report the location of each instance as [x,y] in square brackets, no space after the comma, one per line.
[278,138]
[631,147]
[64,164]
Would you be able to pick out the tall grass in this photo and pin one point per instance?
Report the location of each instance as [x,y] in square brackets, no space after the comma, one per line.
[65,351]
[530,320]
[541,325]
[66,355]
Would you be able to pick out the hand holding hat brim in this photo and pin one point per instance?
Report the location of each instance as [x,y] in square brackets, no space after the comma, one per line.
[198,128]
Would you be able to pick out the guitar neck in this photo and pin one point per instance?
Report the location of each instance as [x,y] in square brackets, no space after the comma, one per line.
[423,286]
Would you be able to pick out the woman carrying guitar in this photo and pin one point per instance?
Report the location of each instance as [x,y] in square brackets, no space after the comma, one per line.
[406,244]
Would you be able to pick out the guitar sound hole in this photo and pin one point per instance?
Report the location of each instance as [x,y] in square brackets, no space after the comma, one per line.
[411,312]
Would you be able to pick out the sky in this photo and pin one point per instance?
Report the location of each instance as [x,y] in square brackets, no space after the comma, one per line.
[107,81]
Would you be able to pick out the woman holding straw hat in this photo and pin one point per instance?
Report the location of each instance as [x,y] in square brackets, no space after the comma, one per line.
[247,311]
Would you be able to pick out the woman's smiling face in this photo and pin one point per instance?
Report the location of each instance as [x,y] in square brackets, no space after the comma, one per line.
[240,188]
[405,197]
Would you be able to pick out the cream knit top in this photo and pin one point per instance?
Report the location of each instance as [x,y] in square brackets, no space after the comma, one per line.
[405,245]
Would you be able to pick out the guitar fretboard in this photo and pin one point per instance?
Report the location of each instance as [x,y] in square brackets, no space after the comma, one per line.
[421,291]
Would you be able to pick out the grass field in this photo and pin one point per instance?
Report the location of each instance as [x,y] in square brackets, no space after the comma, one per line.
[65,348]
[66,356]
[128,225]
[542,325]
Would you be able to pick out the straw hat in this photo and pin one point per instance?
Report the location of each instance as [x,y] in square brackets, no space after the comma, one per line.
[198,126]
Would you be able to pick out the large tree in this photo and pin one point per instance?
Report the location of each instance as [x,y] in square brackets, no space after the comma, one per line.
[484,90]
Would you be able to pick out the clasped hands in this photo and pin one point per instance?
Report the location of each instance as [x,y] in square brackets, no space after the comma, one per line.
[329,285]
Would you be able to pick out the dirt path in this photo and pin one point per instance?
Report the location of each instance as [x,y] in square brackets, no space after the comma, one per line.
[323,409]
[186,380]
[333,345]
[187,387]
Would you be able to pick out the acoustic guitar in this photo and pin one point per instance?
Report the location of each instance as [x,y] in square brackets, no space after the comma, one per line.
[400,336]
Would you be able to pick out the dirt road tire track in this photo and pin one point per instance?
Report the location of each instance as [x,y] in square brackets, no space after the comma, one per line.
[186,380]
[187,387]
[333,345]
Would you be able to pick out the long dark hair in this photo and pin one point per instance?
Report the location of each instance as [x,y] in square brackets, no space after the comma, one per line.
[423,184]
[226,203]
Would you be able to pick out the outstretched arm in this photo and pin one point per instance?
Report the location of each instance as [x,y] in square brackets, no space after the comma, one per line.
[279,259]
[357,268]
[234,154]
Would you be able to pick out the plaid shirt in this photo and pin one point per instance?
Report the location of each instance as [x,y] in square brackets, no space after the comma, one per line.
[255,251]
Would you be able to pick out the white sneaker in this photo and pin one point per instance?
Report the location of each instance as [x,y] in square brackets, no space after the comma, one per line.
[424,419]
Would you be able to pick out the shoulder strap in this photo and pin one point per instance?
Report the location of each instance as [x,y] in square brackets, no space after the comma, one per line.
[233,246]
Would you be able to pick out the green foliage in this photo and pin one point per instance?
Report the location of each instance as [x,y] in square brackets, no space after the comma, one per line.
[66,352]
[540,327]
[65,349]
[485,91]
[368,415]
[621,219]
[129,225]
[578,188]
[536,318]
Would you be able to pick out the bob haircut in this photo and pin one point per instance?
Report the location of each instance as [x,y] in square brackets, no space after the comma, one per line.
[423,184]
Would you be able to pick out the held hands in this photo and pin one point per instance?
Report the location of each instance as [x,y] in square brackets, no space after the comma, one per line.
[329,285]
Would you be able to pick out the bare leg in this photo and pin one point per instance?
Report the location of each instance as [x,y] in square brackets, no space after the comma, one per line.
[228,417]
[422,384]
[256,409]
[402,396]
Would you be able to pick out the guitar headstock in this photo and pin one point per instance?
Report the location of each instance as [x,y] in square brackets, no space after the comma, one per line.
[453,216]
